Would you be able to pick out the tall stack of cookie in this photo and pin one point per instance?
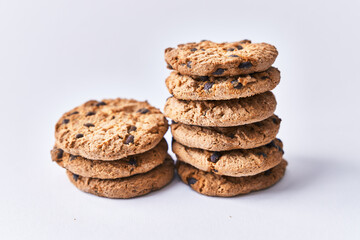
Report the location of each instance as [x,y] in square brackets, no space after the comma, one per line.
[224,128]
[114,148]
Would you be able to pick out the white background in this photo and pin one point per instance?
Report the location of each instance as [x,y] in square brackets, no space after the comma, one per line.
[55,55]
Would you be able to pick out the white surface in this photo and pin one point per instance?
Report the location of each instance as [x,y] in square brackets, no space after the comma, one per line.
[55,55]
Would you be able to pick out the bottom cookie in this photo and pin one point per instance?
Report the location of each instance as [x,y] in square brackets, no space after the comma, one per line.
[223,186]
[128,187]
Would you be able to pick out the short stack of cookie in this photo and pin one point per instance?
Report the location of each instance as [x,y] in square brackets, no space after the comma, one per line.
[114,148]
[224,128]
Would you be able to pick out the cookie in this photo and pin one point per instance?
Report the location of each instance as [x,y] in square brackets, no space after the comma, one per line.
[110,129]
[222,113]
[235,163]
[227,138]
[221,88]
[222,186]
[125,167]
[220,59]
[128,187]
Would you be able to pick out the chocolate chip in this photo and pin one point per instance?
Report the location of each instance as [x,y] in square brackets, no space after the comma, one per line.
[113,117]
[231,135]
[132,128]
[188,64]
[208,85]
[203,78]
[193,49]
[173,122]
[202,49]
[214,170]
[271,144]
[79,135]
[60,153]
[66,121]
[245,65]
[73,113]
[129,139]
[233,55]
[245,41]
[264,77]
[261,154]
[73,157]
[268,172]
[100,104]
[143,110]
[191,181]
[236,84]
[169,67]
[133,162]
[215,157]
[275,120]
[204,40]
[281,150]
[239,47]
[89,125]
[219,71]
[75,177]
[230,49]
[90,114]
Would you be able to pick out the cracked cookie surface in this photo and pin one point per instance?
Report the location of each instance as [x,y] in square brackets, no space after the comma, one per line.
[110,129]
[125,167]
[221,88]
[227,138]
[222,186]
[208,58]
[234,163]
[223,113]
[128,187]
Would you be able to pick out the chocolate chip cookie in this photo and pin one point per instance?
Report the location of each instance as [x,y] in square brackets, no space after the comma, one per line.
[208,58]
[110,129]
[222,186]
[221,88]
[227,138]
[125,167]
[234,163]
[128,187]
[223,113]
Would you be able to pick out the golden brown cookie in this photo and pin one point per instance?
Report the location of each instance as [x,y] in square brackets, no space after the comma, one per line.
[224,113]
[234,163]
[128,187]
[110,129]
[220,59]
[227,138]
[221,88]
[124,167]
[222,186]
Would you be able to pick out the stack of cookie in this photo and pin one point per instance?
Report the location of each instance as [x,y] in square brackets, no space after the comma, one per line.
[224,128]
[114,148]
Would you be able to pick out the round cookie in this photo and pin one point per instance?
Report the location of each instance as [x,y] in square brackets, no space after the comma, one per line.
[222,113]
[221,88]
[125,167]
[235,163]
[220,59]
[128,187]
[227,138]
[222,186]
[111,129]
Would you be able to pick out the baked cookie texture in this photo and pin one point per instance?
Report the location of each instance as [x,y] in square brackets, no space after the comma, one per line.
[224,113]
[221,88]
[227,138]
[235,163]
[124,167]
[110,129]
[223,186]
[129,187]
[208,58]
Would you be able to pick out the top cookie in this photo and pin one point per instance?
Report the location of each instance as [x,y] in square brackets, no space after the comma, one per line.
[110,129]
[220,59]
